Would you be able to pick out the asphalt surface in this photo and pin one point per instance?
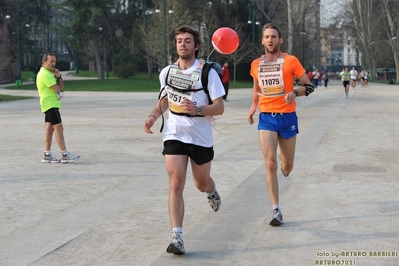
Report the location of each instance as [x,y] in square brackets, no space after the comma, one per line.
[340,203]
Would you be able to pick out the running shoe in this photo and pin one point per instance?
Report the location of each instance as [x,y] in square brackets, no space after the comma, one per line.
[69,157]
[277,218]
[48,158]
[215,201]
[177,245]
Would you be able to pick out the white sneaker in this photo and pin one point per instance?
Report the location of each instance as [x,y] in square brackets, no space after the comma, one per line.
[277,218]
[177,245]
[69,157]
[48,158]
[215,201]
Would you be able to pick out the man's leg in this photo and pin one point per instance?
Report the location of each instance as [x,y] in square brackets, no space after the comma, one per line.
[48,136]
[226,90]
[268,142]
[48,139]
[176,166]
[205,183]
[59,136]
[287,154]
[202,178]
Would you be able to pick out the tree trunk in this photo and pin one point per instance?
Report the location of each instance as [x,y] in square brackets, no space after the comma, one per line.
[98,57]
[290,27]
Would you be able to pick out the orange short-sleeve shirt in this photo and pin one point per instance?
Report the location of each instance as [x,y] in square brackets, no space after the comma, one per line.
[292,68]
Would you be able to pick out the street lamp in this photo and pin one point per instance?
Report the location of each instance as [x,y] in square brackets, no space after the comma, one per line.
[34,49]
[303,33]
[253,22]
[105,56]
[165,49]
[18,81]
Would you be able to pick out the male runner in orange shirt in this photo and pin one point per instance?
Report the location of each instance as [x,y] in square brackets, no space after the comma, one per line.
[274,94]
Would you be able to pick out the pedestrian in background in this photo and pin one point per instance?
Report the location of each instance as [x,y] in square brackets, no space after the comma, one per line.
[316,75]
[320,78]
[225,79]
[353,73]
[345,75]
[49,85]
[325,78]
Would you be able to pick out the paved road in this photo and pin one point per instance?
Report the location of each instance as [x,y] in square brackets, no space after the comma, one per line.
[109,208]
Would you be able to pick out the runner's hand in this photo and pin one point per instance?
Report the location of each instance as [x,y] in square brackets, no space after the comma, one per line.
[148,124]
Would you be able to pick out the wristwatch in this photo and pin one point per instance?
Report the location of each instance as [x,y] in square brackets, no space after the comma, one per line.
[198,110]
[296,93]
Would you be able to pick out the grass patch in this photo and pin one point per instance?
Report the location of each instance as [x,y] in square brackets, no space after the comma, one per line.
[6,98]
[139,83]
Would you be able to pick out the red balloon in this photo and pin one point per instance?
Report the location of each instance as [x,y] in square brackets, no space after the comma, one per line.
[225,40]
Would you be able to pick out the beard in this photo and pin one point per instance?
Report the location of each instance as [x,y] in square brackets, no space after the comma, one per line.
[273,49]
[186,56]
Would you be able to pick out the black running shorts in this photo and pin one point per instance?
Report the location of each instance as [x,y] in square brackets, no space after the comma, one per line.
[52,116]
[198,154]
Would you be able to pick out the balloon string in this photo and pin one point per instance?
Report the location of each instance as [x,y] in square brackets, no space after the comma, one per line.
[207,59]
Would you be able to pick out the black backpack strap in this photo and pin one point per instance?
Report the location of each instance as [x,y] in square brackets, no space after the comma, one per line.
[204,79]
[160,98]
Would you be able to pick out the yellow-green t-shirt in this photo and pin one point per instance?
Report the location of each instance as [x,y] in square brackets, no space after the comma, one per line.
[48,98]
[346,76]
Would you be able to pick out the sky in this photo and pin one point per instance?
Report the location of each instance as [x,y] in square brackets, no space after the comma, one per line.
[330,8]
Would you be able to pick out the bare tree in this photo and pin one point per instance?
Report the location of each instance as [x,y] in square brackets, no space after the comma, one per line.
[392,31]
[366,21]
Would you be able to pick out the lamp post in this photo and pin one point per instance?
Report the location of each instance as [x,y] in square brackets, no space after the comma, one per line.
[253,22]
[34,48]
[18,81]
[100,29]
[303,33]
[165,49]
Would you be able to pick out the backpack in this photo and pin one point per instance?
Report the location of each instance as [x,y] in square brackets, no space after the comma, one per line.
[205,73]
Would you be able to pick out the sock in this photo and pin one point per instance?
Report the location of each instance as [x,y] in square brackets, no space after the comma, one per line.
[276,206]
[47,153]
[65,152]
[178,231]
[210,195]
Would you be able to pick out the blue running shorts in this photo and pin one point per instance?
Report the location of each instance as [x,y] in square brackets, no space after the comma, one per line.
[285,124]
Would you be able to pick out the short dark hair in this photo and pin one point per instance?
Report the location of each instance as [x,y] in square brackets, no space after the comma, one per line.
[45,56]
[271,26]
[196,35]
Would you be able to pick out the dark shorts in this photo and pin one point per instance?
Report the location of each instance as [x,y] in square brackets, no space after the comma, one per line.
[52,116]
[286,125]
[198,154]
[346,83]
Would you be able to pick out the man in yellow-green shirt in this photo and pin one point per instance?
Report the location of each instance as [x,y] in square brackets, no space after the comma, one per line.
[346,76]
[49,84]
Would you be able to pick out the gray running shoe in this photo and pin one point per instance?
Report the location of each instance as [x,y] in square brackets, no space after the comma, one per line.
[215,201]
[66,158]
[48,158]
[277,218]
[177,245]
